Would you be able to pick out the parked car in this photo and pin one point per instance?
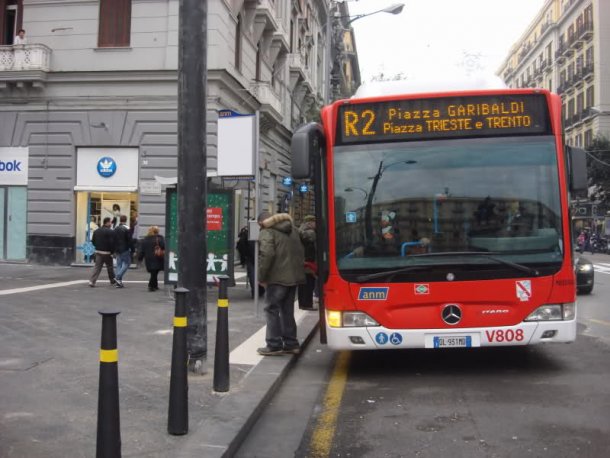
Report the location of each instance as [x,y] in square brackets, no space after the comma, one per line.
[584,275]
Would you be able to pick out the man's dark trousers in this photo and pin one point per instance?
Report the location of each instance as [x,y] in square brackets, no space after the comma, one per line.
[279,311]
[100,260]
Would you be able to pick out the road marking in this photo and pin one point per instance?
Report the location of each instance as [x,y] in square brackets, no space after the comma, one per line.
[27,289]
[605,323]
[246,352]
[324,432]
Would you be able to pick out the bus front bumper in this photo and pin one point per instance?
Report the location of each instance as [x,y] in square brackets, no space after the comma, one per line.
[380,338]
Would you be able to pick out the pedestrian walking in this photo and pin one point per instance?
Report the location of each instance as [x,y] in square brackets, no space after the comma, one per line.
[103,240]
[152,250]
[307,233]
[123,245]
[280,270]
[242,246]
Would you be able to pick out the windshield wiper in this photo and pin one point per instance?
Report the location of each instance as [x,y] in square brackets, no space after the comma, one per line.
[483,254]
[388,273]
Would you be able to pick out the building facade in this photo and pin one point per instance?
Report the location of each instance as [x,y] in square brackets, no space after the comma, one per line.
[88,108]
[566,49]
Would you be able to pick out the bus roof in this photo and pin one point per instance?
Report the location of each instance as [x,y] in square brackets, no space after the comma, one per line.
[463,83]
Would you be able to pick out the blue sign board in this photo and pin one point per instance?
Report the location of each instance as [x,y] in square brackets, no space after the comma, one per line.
[303,188]
[287,181]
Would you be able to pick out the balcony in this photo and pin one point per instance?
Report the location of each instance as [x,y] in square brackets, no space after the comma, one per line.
[24,64]
[268,99]
[587,31]
[559,53]
[298,71]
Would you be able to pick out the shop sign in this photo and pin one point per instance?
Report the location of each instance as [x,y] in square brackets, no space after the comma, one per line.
[106,167]
[14,166]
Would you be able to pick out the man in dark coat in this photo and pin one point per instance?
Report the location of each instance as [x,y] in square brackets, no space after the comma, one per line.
[280,270]
[123,249]
[103,240]
[148,252]
[307,232]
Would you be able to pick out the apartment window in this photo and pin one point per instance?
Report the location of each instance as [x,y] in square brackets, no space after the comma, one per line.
[589,55]
[589,97]
[11,14]
[115,23]
[548,52]
[588,138]
[580,100]
[589,15]
[238,43]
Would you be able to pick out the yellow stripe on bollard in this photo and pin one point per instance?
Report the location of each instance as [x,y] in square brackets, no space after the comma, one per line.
[180,322]
[223,302]
[109,356]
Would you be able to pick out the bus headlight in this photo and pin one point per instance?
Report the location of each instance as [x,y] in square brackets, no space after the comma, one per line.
[553,312]
[337,319]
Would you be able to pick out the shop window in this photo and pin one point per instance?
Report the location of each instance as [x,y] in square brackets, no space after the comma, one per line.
[114,23]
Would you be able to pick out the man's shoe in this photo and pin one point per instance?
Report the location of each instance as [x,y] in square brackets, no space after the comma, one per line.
[113,281]
[266,351]
[91,284]
[118,284]
[292,350]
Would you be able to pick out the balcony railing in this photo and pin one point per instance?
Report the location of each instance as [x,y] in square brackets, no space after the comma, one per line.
[586,32]
[587,71]
[25,57]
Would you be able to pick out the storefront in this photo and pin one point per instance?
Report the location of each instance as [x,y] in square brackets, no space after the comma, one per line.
[106,186]
[13,203]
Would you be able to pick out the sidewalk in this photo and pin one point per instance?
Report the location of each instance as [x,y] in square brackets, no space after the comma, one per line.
[49,367]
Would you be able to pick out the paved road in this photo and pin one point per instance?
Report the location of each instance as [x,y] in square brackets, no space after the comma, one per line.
[550,400]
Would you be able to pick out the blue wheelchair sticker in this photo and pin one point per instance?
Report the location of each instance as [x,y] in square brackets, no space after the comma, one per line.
[351,217]
[381,338]
[395,338]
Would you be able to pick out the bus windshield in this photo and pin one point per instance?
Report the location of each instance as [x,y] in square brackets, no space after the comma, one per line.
[428,203]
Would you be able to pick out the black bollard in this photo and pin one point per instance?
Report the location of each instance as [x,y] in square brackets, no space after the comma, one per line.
[108,417]
[178,414]
[221,353]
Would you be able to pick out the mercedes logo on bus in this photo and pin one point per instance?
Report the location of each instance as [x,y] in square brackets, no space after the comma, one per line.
[451,314]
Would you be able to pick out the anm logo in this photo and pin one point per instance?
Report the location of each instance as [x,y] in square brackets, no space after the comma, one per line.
[373,294]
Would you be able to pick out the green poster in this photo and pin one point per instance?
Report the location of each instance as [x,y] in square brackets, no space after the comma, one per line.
[219,215]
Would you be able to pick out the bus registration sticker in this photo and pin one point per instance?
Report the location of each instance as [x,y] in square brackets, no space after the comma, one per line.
[524,290]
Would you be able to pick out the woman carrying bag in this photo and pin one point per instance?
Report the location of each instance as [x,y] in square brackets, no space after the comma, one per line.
[152,250]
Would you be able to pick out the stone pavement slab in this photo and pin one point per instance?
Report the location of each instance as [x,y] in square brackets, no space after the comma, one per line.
[49,367]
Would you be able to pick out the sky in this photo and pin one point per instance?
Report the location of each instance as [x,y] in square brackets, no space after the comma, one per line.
[438,37]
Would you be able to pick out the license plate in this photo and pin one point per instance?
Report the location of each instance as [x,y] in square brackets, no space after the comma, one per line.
[452,341]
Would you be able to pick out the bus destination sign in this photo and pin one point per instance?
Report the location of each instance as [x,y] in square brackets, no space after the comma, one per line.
[444,117]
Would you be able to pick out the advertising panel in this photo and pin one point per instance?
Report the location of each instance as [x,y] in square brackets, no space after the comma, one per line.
[219,216]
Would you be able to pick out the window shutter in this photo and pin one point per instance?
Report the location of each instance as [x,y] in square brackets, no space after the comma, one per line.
[115,23]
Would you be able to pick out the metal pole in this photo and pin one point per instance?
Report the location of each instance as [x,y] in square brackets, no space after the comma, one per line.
[258,206]
[192,186]
[178,411]
[108,416]
[221,350]
[329,45]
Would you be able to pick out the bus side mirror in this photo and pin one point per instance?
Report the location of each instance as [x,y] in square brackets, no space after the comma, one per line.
[577,171]
[305,147]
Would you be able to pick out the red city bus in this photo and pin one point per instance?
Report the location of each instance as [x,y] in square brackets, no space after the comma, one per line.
[443,219]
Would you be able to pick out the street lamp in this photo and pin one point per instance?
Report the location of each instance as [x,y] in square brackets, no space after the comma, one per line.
[394,9]
[369,203]
[355,188]
[333,62]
